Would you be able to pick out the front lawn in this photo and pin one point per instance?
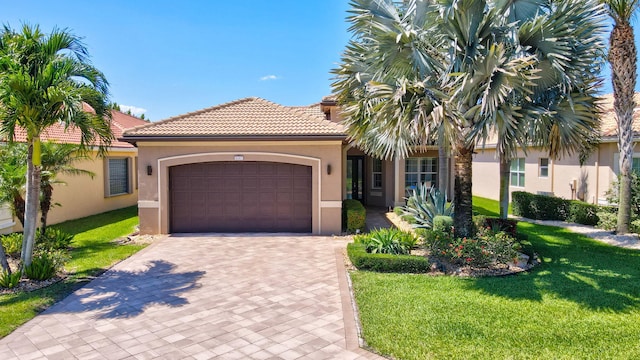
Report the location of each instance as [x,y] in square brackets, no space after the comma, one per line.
[93,252]
[582,302]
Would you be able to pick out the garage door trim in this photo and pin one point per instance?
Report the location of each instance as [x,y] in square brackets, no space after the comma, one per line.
[165,163]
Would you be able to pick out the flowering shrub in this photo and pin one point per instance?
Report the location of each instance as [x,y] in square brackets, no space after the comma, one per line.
[488,247]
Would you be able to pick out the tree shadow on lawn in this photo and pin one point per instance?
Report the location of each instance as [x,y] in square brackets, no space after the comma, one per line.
[575,268]
[126,294]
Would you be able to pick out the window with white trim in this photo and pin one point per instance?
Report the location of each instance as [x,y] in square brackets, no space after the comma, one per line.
[517,172]
[635,166]
[376,174]
[543,171]
[420,170]
[118,180]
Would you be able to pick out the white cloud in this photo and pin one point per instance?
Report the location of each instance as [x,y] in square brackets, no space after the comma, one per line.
[137,111]
[269,77]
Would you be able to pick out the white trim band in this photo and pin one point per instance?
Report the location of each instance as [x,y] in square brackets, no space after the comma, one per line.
[330,204]
[148,204]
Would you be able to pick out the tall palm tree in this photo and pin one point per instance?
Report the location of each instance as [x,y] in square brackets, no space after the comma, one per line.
[13,171]
[56,159]
[44,80]
[417,71]
[623,57]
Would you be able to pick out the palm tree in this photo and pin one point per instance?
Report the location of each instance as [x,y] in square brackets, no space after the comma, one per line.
[12,178]
[459,69]
[56,159]
[622,57]
[44,80]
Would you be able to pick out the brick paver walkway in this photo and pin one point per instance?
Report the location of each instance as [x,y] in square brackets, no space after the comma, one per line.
[202,297]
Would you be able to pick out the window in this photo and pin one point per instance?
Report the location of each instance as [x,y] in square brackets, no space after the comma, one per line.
[118,176]
[376,171]
[517,172]
[636,165]
[420,170]
[544,167]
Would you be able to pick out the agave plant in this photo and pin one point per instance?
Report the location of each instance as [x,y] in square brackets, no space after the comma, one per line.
[425,203]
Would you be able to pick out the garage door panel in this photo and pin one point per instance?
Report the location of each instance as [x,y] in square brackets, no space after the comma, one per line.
[240,197]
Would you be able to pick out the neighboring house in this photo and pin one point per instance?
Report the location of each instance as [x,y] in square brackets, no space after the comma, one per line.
[114,185]
[537,173]
[255,166]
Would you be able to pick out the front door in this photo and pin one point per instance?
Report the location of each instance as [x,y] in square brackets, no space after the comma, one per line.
[355,177]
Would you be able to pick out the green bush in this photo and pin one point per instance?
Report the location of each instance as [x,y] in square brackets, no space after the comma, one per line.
[509,226]
[583,213]
[539,207]
[12,244]
[425,204]
[9,280]
[487,248]
[353,216]
[443,223]
[387,241]
[45,264]
[387,263]
[53,239]
[607,219]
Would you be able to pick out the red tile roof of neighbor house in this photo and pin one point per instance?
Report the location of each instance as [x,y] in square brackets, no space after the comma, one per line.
[57,133]
[248,117]
[609,126]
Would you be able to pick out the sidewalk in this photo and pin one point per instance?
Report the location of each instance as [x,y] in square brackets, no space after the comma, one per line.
[629,241]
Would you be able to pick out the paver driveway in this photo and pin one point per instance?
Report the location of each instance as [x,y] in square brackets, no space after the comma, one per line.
[201,297]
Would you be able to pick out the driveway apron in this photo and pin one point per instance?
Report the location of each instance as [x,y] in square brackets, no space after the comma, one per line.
[201,297]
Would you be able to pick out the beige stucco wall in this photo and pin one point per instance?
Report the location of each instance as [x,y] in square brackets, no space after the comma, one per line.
[326,188]
[82,195]
[590,181]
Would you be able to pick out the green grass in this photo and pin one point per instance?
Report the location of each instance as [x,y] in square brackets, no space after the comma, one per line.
[582,302]
[93,252]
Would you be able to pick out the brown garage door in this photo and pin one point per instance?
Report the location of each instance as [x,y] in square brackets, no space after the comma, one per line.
[240,197]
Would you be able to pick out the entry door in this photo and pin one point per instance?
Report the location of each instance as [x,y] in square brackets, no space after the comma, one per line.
[355,177]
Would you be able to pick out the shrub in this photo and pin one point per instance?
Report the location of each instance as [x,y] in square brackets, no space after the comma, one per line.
[488,247]
[12,244]
[612,194]
[426,203]
[353,216]
[9,280]
[539,207]
[387,241]
[607,218]
[443,223]
[386,262]
[45,264]
[53,239]
[509,226]
[583,213]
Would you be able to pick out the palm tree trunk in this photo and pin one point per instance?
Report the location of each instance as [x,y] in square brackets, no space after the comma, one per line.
[622,56]
[31,208]
[505,171]
[3,260]
[45,206]
[18,208]
[462,200]
[443,170]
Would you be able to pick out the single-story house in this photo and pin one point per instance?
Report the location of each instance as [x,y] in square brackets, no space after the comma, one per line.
[113,187]
[537,173]
[255,166]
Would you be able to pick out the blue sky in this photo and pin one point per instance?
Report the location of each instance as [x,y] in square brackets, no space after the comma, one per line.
[173,57]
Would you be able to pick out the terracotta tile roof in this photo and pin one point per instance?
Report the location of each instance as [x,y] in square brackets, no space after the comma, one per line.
[245,117]
[71,135]
[609,127]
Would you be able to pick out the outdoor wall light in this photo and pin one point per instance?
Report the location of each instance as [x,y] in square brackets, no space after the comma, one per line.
[329,169]
[149,170]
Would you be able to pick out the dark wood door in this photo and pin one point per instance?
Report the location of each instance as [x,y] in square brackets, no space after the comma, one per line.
[240,197]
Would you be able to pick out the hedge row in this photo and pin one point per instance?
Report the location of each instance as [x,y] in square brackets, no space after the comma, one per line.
[542,207]
[387,263]
[353,216]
